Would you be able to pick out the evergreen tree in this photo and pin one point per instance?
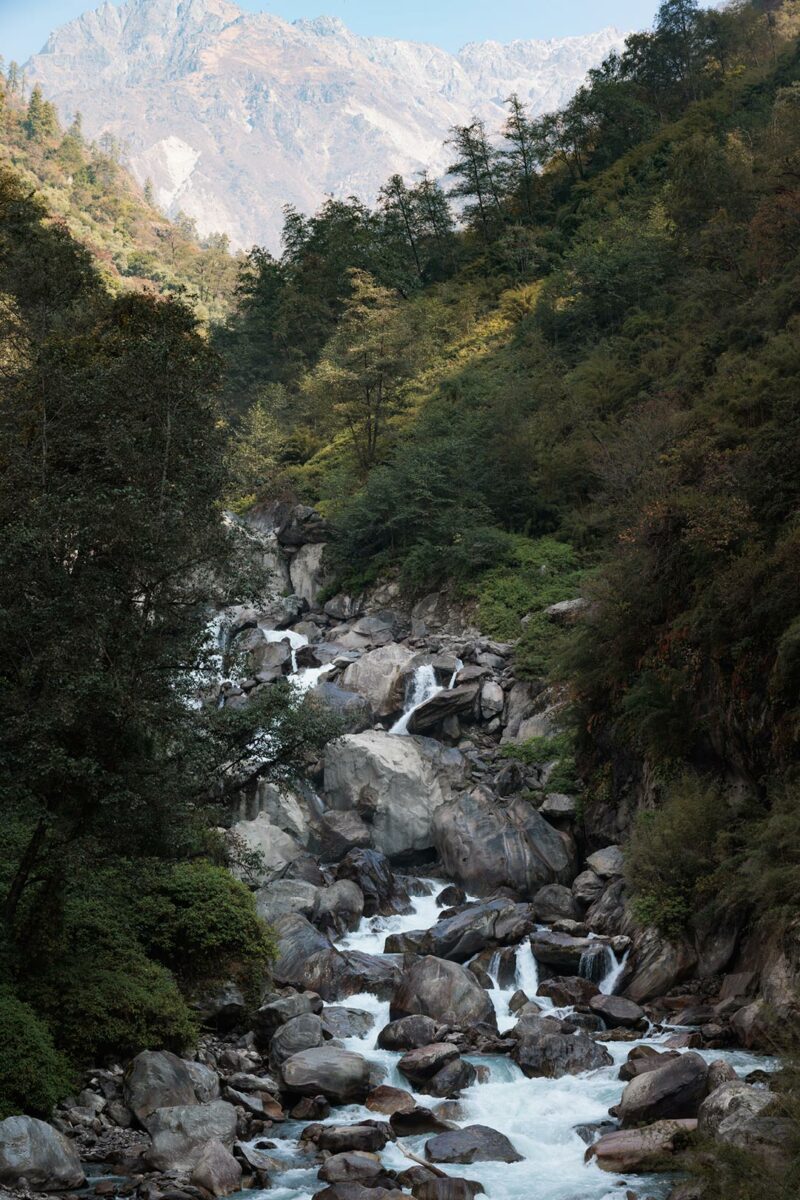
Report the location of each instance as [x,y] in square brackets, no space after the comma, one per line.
[520,156]
[41,121]
[476,173]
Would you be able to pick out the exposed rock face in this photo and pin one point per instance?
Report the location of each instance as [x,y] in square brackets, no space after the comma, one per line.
[308,959]
[277,847]
[445,991]
[659,965]
[674,1091]
[233,114]
[555,902]
[339,1075]
[180,1134]
[157,1079]
[452,702]
[307,572]
[485,846]
[396,784]
[378,676]
[475,1143]
[35,1154]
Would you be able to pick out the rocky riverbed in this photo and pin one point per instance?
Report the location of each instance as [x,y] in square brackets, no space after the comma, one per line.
[462,1002]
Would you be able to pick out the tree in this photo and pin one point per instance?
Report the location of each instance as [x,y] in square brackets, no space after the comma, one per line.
[520,156]
[475,171]
[41,121]
[359,375]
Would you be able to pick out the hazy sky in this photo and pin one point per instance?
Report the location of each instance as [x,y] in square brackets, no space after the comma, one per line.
[25,24]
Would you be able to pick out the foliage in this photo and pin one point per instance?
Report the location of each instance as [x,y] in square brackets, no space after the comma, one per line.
[33,1075]
[556,752]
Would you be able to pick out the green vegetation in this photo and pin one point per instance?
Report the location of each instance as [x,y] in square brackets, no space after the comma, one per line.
[114,904]
[557,752]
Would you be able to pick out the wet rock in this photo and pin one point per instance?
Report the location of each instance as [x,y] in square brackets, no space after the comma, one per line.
[566,990]
[451,896]
[445,991]
[301,1033]
[554,902]
[342,1022]
[339,1075]
[485,845]
[271,1016]
[378,676]
[216,1170]
[157,1079]
[562,951]
[338,1139]
[475,1143]
[617,1011]
[308,959]
[179,1133]
[421,1064]
[452,702]
[676,1090]
[643,1150]
[35,1155]
[493,923]
[339,907]
[373,873]
[311,1108]
[408,1033]
[659,966]
[449,1082]
[447,1189]
[390,1100]
[643,1059]
[543,1054]
[352,1166]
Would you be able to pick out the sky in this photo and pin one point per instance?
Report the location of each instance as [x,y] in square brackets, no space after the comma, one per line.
[25,24]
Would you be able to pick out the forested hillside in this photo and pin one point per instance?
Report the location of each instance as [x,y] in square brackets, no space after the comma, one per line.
[594,379]
[86,186]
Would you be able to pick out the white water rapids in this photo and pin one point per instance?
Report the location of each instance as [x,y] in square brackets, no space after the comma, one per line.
[424,687]
[538,1115]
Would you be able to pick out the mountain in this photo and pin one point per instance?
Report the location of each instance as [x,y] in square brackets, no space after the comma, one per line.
[234,114]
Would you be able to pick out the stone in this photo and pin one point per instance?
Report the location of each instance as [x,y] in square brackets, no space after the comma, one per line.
[447,1189]
[451,702]
[339,907]
[339,1075]
[569,955]
[307,959]
[587,887]
[729,1114]
[301,1033]
[275,847]
[485,845]
[283,896]
[179,1134]
[607,863]
[616,1011]
[566,990]
[271,1016]
[356,1191]
[307,572]
[492,700]
[674,1091]
[653,1148]
[395,783]
[475,1143]
[449,1082]
[352,1166]
[342,1022]
[555,902]
[217,1170]
[558,808]
[342,832]
[378,676]
[451,896]
[390,1100]
[338,1139]
[542,1053]
[497,922]
[205,1081]
[445,991]
[408,1033]
[35,1155]
[157,1079]
[372,872]
[421,1064]
[659,965]
[221,1007]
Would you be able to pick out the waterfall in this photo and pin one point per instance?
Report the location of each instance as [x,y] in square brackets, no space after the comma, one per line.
[595,963]
[608,984]
[423,688]
[527,970]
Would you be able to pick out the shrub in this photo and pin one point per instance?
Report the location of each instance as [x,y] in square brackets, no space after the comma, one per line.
[557,750]
[34,1076]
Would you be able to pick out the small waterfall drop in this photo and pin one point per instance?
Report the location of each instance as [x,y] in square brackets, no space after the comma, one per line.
[608,984]
[595,963]
[423,688]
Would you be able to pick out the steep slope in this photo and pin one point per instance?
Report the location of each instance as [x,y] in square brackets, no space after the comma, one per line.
[233,114]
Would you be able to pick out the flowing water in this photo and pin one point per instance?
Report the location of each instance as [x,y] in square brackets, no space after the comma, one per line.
[424,687]
[538,1115]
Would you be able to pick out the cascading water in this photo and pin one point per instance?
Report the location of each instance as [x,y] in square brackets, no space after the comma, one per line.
[608,984]
[595,962]
[424,686]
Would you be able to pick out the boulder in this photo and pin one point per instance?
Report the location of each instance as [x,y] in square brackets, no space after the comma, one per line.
[423,1063]
[484,844]
[35,1155]
[497,922]
[587,887]
[616,1011]
[157,1079]
[450,1080]
[373,874]
[339,907]
[221,1006]
[338,1139]
[339,1075]
[341,832]
[355,710]
[204,1080]
[541,1053]
[284,896]
[342,1022]
[275,847]
[217,1171]
[446,1189]
[378,677]
[555,902]
[307,572]
[641,1151]
[451,702]
[180,1134]
[445,991]
[658,966]
[558,808]
[301,1033]
[351,1166]
[390,1100]
[356,1191]
[408,1033]
[395,783]
[674,1091]
[475,1143]
[607,863]
[729,1114]
[307,959]
[298,525]
[568,955]
[271,1016]
[566,990]
[492,700]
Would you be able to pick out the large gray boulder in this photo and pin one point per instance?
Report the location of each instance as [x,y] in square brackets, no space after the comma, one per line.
[475,1143]
[180,1134]
[658,965]
[395,783]
[307,572]
[497,922]
[276,847]
[217,1171]
[157,1079]
[301,1033]
[445,991]
[607,863]
[35,1155]
[307,959]
[486,844]
[674,1091]
[284,896]
[542,1054]
[339,907]
[378,676]
[730,1114]
[654,1148]
[555,902]
[339,1075]
[452,702]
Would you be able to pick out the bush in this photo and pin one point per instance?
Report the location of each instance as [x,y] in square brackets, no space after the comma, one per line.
[534,575]
[673,854]
[539,751]
[34,1076]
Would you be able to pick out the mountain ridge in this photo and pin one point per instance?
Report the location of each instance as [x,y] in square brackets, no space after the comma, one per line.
[233,114]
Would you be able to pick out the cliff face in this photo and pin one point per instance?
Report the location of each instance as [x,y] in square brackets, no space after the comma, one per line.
[233,114]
